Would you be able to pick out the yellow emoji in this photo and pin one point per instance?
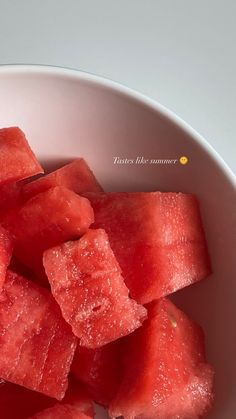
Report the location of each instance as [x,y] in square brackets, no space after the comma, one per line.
[183,160]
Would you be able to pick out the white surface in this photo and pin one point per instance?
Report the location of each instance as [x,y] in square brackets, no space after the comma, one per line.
[52,105]
[180,52]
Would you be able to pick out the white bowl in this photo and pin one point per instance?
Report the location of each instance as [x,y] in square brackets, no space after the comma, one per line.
[67,113]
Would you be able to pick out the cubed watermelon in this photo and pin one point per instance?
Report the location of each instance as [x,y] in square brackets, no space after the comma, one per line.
[17,160]
[157,238]
[86,282]
[61,411]
[46,220]
[165,374]
[99,370]
[76,176]
[18,402]
[6,248]
[36,344]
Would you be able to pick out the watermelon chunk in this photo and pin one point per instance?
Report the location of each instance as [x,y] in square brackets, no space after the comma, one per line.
[61,411]
[18,402]
[36,344]
[99,370]
[157,238]
[46,220]
[17,160]
[6,248]
[86,282]
[165,374]
[76,176]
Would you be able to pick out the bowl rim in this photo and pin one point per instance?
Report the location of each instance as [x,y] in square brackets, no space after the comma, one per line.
[77,74]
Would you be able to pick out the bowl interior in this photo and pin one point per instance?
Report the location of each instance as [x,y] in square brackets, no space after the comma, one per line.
[66,114]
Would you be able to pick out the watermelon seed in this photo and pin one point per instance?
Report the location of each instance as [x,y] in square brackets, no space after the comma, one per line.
[97,308]
[172,320]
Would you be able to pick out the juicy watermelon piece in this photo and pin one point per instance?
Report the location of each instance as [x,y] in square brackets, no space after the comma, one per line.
[76,176]
[157,238]
[86,282]
[36,344]
[46,220]
[6,248]
[61,411]
[17,160]
[99,370]
[18,402]
[165,374]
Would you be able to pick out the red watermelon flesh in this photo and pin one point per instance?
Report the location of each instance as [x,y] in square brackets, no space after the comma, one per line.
[18,402]
[99,370]
[165,374]
[76,176]
[46,220]
[17,160]
[157,238]
[86,282]
[61,411]
[6,248]
[10,197]
[36,344]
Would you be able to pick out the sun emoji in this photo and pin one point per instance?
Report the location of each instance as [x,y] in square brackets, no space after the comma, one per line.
[183,160]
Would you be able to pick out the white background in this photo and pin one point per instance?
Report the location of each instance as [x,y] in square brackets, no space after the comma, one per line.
[180,52]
